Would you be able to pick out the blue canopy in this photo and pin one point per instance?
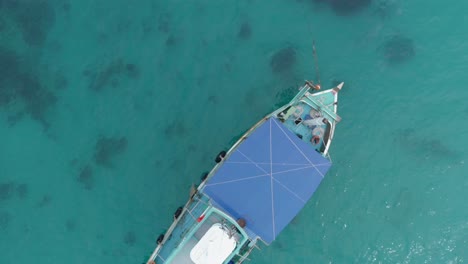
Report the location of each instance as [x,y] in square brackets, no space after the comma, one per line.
[267,179]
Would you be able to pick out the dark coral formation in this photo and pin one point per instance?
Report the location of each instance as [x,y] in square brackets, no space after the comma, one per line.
[129,238]
[283,60]
[192,148]
[6,190]
[22,190]
[66,6]
[4,220]
[398,49]
[164,23]
[132,70]
[9,65]
[86,178]
[174,164]
[45,201]
[171,41]
[245,31]
[111,74]
[2,24]
[107,148]
[424,147]
[175,129]
[9,189]
[70,225]
[34,18]
[147,26]
[60,82]
[384,8]
[122,26]
[345,7]
[37,100]
[213,99]
[13,118]
[20,88]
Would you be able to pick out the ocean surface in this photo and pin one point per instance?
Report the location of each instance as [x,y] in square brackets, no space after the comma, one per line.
[110,110]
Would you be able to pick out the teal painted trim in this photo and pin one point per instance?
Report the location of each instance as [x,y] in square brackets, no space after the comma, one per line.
[300,94]
[325,110]
[188,236]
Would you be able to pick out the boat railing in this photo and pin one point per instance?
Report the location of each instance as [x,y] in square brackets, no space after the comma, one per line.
[250,247]
[189,213]
[180,221]
[233,147]
[321,107]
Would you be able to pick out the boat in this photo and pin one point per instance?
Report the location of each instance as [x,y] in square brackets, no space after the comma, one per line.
[256,187]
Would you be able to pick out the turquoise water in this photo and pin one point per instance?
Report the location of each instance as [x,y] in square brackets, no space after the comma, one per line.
[109,111]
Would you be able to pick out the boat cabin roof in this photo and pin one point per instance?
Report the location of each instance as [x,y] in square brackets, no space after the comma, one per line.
[214,247]
[267,179]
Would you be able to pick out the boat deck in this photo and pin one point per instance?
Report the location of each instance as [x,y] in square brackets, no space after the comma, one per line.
[186,224]
[312,117]
[298,122]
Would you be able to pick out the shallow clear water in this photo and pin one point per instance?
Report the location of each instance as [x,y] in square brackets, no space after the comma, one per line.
[109,111]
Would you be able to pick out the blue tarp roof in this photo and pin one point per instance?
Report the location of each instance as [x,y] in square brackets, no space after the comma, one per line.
[267,179]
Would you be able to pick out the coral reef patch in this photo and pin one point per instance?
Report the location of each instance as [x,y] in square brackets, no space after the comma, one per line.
[398,49]
[283,60]
[107,148]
